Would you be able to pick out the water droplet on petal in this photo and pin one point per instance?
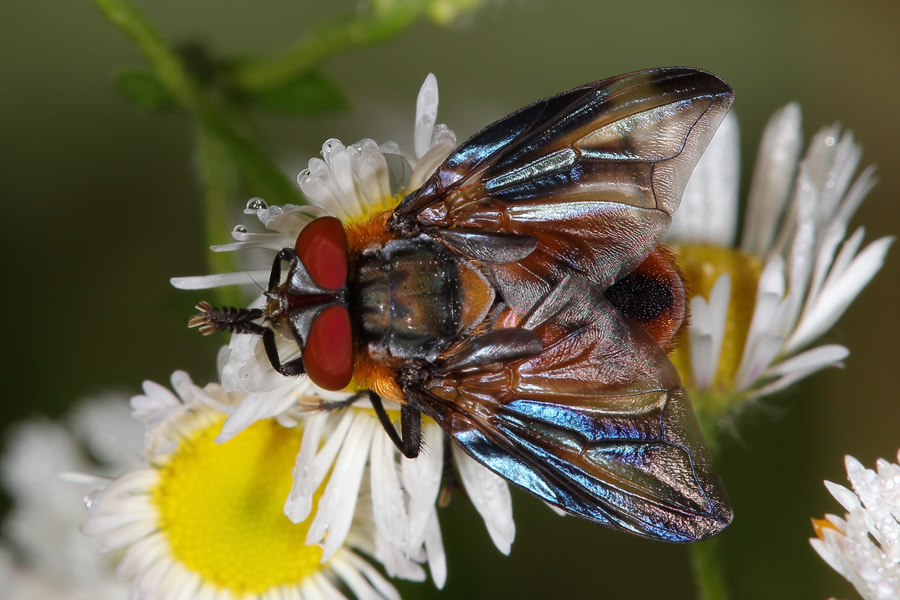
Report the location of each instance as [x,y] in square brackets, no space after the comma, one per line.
[91,499]
[239,229]
[829,141]
[257,204]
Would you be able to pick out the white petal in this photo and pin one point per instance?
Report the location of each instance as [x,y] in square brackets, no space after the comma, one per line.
[396,563]
[709,205]
[802,244]
[245,241]
[387,497]
[764,338]
[205,282]
[845,497]
[324,460]
[772,179]
[245,368]
[434,546]
[373,180]
[253,408]
[836,230]
[373,578]
[298,504]
[353,579]
[432,159]
[340,160]
[812,360]
[310,467]
[799,367]
[426,114]
[707,331]
[837,295]
[157,400]
[832,159]
[288,220]
[422,481]
[828,555]
[335,511]
[490,496]
[855,195]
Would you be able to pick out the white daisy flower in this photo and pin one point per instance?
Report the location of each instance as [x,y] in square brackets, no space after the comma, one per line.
[350,182]
[353,183]
[47,557]
[762,303]
[204,520]
[864,545]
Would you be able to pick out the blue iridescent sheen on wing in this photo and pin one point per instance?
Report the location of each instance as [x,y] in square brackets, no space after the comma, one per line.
[616,154]
[597,423]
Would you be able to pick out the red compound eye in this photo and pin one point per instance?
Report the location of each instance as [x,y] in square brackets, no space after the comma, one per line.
[328,354]
[322,248]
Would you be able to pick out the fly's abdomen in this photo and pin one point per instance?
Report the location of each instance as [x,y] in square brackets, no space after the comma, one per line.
[406,299]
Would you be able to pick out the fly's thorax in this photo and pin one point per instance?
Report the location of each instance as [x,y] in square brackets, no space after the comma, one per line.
[412,297]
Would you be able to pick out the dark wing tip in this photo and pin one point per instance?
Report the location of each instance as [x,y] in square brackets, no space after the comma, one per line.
[690,77]
[718,518]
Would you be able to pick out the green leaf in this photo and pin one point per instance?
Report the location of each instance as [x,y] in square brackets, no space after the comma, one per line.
[310,93]
[144,89]
[257,169]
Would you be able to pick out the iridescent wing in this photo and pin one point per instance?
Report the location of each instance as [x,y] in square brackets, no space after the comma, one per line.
[596,422]
[593,175]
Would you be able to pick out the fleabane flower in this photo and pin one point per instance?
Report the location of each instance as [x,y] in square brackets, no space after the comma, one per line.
[204,520]
[43,553]
[864,545]
[353,183]
[760,304]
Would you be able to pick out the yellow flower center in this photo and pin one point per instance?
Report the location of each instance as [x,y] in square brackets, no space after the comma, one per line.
[702,265]
[370,210]
[220,508]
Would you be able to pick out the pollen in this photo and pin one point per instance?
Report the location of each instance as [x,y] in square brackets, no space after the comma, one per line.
[820,525]
[371,209]
[702,265]
[220,508]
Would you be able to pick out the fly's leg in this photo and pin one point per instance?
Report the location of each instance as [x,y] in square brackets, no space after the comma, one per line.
[291,368]
[409,440]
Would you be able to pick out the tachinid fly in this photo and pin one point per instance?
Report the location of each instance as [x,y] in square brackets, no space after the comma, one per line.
[520,299]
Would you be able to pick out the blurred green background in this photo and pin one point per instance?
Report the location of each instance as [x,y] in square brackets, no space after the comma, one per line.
[102,208]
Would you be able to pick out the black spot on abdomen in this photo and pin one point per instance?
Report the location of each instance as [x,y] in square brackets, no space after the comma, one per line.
[641,297]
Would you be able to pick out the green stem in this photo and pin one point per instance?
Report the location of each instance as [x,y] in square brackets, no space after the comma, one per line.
[707,557]
[321,42]
[216,171]
[259,172]
[709,569]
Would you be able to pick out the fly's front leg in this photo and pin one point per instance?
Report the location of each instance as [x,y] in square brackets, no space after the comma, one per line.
[337,405]
[284,255]
[291,368]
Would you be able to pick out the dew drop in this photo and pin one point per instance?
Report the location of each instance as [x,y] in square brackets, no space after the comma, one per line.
[91,499]
[257,204]
[829,141]
[239,229]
